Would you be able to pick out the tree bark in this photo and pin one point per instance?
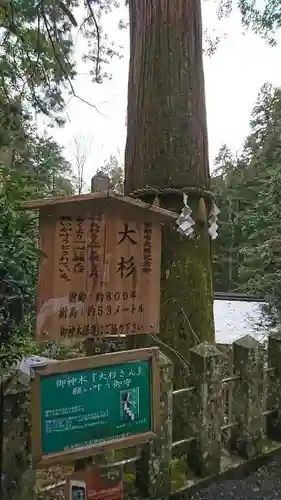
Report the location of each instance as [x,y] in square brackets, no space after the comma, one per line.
[167,146]
[167,131]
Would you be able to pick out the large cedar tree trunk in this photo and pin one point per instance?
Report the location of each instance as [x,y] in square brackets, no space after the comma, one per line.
[167,147]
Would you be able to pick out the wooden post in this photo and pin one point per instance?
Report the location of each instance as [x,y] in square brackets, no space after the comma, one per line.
[94,346]
[206,404]
[100,183]
[274,387]
[153,478]
[247,437]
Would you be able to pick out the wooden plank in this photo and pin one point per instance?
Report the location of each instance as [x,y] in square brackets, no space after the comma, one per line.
[45,285]
[36,421]
[87,451]
[110,199]
[153,470]
[77,364]
[100,277]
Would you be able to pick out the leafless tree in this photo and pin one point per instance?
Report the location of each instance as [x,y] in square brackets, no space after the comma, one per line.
[82,151]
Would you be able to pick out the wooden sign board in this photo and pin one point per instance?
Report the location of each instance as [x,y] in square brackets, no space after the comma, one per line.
[100,274]
[94,485]
[83,406]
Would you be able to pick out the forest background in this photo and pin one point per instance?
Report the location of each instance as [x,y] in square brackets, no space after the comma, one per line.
[37,70]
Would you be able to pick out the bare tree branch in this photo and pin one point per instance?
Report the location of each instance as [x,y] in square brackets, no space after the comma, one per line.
[47,26]
[93,17]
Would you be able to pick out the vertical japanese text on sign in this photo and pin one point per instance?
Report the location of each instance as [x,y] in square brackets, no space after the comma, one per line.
[65,232]
[94,247]
[108,280]
[147,248]
[127,266]
[79,247]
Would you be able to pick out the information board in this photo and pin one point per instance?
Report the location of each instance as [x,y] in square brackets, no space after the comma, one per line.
[100,276]
[87,403]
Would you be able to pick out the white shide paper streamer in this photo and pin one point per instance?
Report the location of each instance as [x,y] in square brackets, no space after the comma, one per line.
[213,227]
[185,222]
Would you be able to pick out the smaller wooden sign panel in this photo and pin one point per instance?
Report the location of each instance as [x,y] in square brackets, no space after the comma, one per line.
[83,406]
[95,485]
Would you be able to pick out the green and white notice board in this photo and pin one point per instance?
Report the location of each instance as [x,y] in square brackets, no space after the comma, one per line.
[81,406]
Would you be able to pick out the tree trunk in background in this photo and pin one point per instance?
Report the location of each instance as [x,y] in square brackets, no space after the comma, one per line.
[167,146]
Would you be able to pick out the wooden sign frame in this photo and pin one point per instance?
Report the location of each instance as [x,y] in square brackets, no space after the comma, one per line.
[87,363]
[99,276]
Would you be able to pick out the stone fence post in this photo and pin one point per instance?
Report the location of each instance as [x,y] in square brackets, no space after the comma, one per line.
[274,387]
[153,470]
[207,364]
[18,478]
[247,437]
